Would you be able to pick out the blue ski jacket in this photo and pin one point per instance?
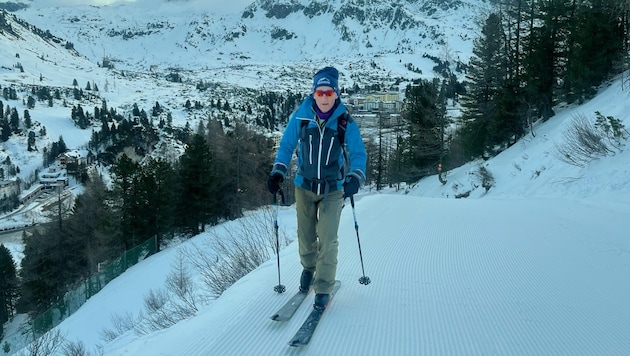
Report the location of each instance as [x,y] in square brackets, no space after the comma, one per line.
[322,165]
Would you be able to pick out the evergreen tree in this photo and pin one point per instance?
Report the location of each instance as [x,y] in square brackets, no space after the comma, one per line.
[124,172]
[9,287]
[163,199]
[486,74]
[596,43]
[79,117]
[153,200]
[5,129]
[543,60]
[374,168]
[395,163]
[30,102]
[31,142]
[27,119]
[197,199]
[425,127]
[157,109]
[15,121]
[93,226]
[241,160]
[39,273]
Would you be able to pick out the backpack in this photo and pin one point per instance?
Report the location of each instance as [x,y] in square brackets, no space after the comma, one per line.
[342,123]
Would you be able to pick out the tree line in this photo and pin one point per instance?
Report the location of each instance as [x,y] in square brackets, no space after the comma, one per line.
[534,54]
[219,175]
[530,56]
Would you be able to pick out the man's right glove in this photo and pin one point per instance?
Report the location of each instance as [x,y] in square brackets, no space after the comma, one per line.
[273,183]
[350,186]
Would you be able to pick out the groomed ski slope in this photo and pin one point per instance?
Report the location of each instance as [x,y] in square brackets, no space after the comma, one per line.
[449,277]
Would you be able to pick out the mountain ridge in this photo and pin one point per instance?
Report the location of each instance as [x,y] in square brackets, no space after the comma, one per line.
[280,33]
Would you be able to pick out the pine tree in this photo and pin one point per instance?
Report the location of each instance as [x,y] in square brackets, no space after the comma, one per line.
[543,63]
[241,161]
[39,272]
[154,187]
[31,141]
[197,199]
[425,127]
[9,287]
[27,119]
[93,228]
[487,76]
[124,171]
[14,121]
[596,43]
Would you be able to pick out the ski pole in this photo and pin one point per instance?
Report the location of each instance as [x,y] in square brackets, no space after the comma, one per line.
[365,280]
[279,288]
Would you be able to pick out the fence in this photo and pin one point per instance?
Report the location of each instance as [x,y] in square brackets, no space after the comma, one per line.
[74,299]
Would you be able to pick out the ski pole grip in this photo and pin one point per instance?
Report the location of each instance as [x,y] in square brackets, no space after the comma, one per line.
[275,197]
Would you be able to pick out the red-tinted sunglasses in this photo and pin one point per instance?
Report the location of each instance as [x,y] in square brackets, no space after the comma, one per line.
[324,92]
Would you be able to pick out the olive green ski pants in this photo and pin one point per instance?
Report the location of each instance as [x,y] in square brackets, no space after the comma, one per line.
[318,220]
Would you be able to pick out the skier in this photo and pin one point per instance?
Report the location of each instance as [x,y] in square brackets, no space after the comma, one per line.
[322,128]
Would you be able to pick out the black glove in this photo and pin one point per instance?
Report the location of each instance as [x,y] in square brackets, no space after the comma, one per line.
[273,183]
[350,186]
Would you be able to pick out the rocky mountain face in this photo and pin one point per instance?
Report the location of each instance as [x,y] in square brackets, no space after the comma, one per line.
[290,31]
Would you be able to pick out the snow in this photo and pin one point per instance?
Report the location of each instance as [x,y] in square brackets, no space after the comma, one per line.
[538,265]
[469,277]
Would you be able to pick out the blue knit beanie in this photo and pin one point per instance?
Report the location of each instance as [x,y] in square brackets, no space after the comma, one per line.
[326,77]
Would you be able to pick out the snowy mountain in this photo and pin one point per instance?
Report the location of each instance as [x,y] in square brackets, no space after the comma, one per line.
[539,266]
[237,49]
[367,40]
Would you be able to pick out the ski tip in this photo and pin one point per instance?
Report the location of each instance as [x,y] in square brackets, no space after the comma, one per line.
[296,343]
[278,317]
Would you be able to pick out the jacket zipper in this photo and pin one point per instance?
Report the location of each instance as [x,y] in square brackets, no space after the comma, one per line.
[310,147]
[330,147]
[319,161]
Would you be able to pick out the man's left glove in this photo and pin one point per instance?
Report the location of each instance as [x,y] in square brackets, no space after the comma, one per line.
[273,183]
[350,186]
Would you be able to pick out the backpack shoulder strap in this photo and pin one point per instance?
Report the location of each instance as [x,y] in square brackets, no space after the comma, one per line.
[342,123]
[303,124]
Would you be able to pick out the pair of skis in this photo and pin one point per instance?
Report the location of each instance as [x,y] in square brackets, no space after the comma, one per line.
[304,334]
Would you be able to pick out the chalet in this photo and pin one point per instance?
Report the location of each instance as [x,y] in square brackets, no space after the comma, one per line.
[78,157]
[54,176]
